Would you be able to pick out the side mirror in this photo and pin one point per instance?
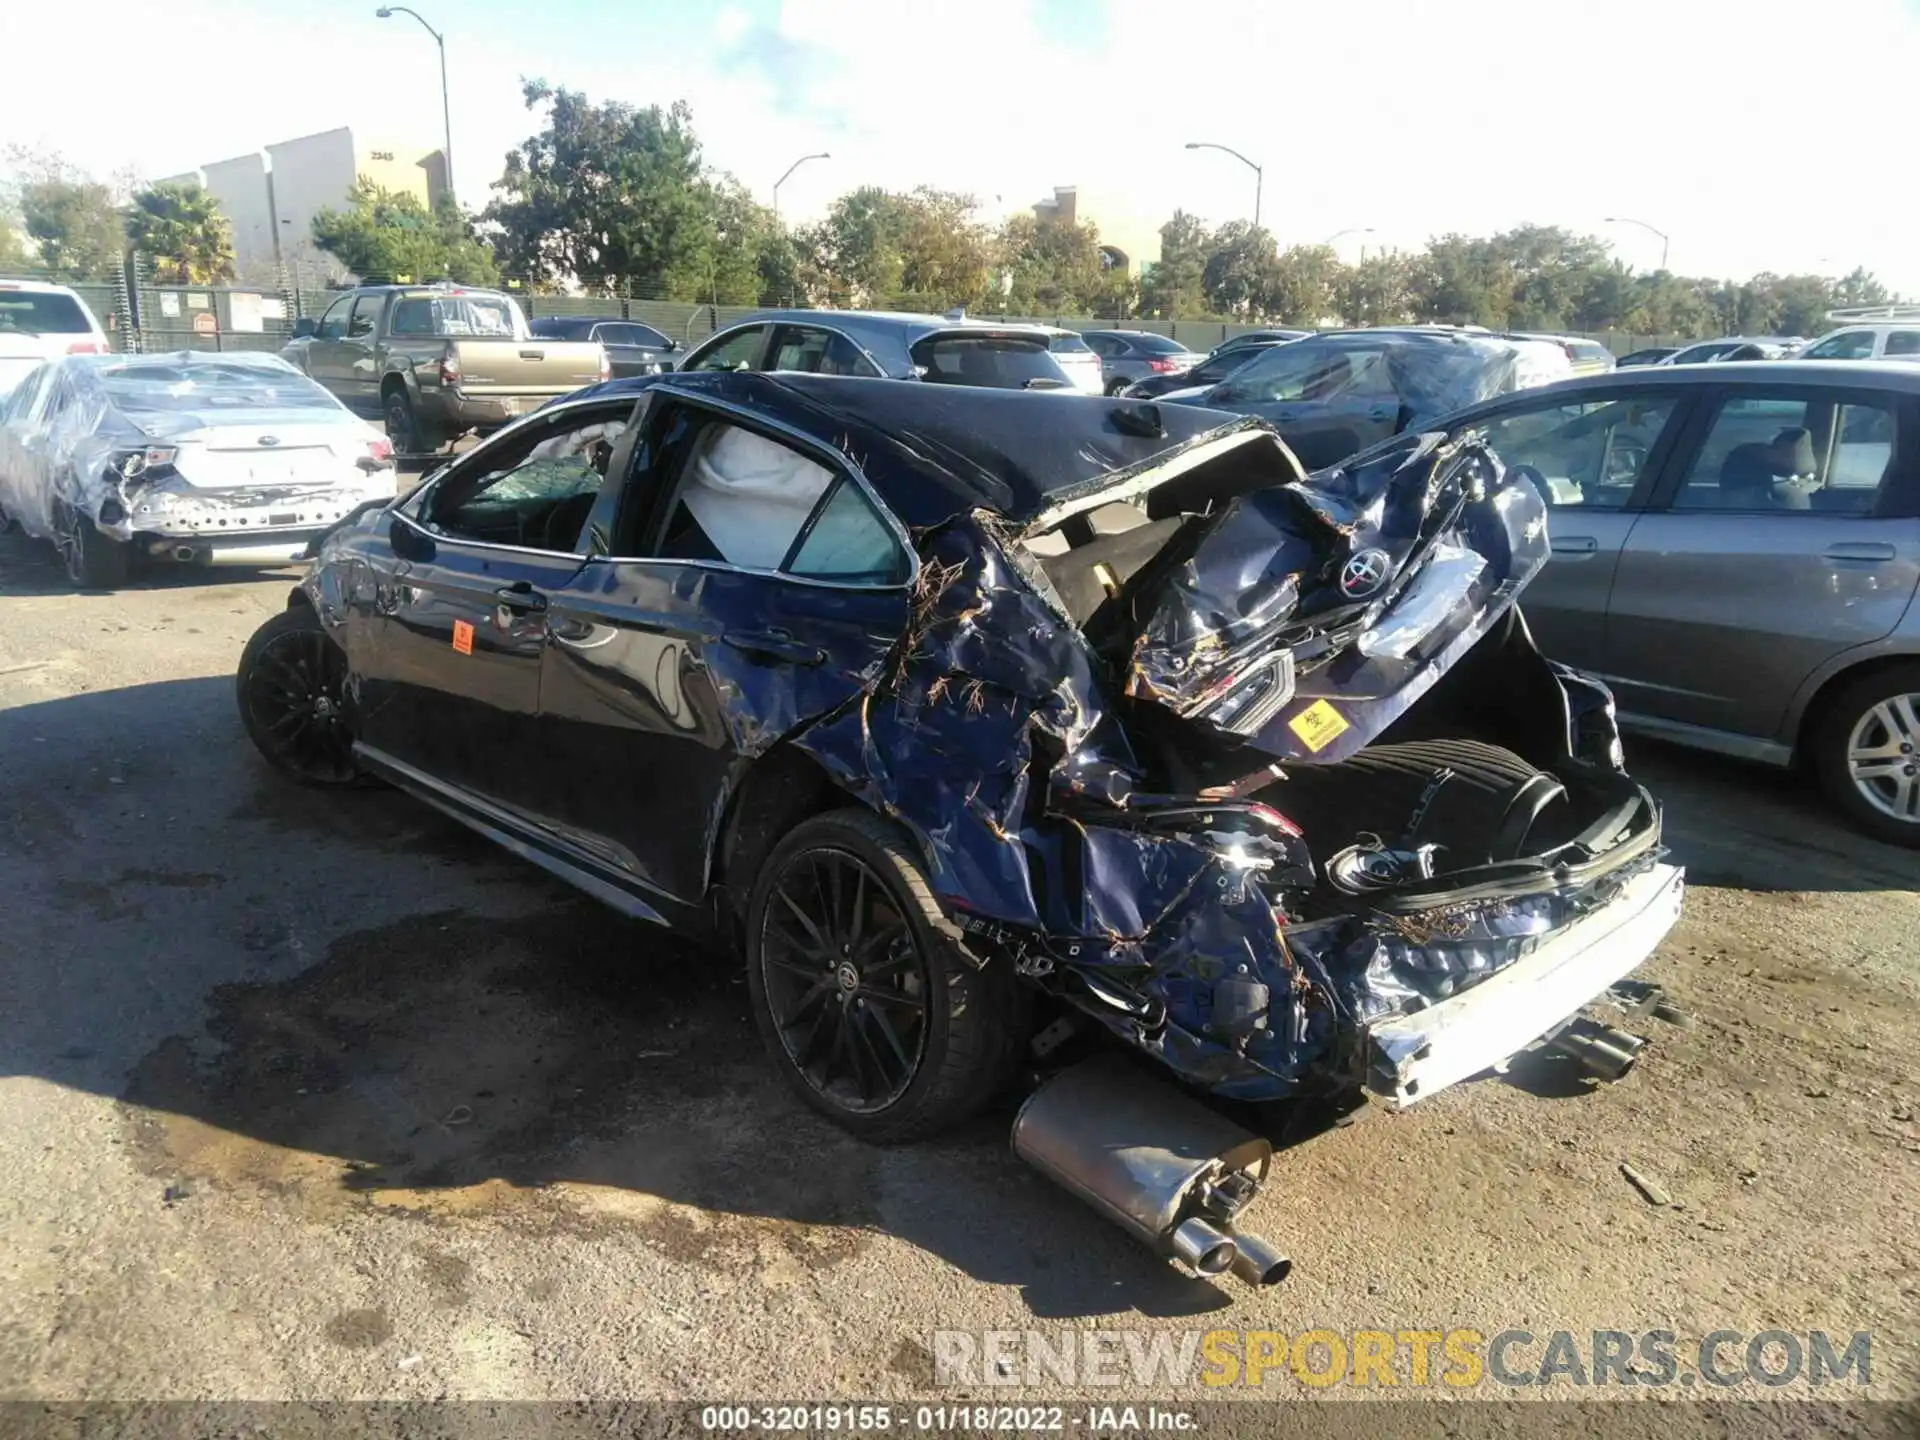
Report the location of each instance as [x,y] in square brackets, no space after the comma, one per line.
[407,542]
[673,345]
[305,327]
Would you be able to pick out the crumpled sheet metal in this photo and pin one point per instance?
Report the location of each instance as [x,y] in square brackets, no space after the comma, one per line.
[76,456]
[991,689]
[1308,567]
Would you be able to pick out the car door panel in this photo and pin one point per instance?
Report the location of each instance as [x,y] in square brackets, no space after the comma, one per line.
[451,683]
[1717,619]
[1595,455]
[665,678]
[1719,616]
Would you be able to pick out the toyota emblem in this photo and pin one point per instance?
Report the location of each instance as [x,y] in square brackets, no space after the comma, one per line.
[268,440]
[1364,573]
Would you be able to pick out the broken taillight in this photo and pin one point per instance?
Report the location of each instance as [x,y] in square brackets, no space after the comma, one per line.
[450,368]
[381,450]
[606,365]
[1163,367]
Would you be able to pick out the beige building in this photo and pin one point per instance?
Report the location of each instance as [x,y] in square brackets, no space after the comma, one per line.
[1128,241]
[271,200]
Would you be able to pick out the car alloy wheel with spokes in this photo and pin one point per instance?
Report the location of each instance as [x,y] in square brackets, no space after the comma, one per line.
[292,692]
[862,993]
[845,981]
[1883,757]
[1865,748]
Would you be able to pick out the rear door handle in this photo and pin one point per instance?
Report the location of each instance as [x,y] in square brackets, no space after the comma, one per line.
[1859,550]
[521,596]
[1577,545]
[776,645]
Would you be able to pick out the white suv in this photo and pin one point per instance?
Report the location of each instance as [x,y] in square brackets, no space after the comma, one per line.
[43,322]
[1871,332]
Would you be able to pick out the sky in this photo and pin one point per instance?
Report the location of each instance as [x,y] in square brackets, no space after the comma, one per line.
[1758,134]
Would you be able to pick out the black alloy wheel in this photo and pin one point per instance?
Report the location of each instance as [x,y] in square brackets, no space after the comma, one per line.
[862,994]
[845,981]
[291,689]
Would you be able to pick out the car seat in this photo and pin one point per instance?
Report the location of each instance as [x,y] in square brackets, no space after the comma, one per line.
[1750,474]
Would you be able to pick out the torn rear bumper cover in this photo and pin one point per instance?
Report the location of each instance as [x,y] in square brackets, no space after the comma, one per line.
[1414,1056]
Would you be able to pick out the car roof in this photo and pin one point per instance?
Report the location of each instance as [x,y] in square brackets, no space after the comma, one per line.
[37,287]
[936,451]
[1823,374]
[887,336]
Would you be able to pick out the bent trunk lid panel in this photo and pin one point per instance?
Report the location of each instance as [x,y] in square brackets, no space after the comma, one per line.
[1375,580]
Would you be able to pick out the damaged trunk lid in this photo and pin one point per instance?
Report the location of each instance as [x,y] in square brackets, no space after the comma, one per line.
[1304,619]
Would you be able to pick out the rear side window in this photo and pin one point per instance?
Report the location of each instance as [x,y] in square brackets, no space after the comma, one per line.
[814,351]
[1903,342]
[33,312]
[1002,362]
[1793,454]
[1157,345]
[733,352]
[849,541]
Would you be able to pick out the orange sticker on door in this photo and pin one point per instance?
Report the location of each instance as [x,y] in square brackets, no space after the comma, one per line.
[1318,726]
[463,640]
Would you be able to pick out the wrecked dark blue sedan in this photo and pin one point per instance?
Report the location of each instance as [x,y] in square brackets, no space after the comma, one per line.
[978,718]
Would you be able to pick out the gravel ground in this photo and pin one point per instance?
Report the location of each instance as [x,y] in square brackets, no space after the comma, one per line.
[321,1097]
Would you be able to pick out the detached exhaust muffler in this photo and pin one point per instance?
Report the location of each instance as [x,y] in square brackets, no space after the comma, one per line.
[1162,1167]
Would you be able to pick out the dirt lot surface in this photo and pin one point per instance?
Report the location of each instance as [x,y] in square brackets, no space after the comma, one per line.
[310,1096]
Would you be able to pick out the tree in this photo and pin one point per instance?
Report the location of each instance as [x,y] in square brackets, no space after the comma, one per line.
[1174,287]
[69,217]
[392,235]
[1860,288]
[1463,281]
[1301,284]
[946,255]
[13,247]
[607,194]
[1238,278]
[179,227]
[1055,265]
[1377,291]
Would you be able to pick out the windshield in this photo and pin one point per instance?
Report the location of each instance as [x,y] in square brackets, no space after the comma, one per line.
[40,312]
[1005,362]
[487,316]
[164,387]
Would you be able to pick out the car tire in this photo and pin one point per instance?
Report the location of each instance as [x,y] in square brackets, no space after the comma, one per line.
[1866,753]
[93,561]
[404,431]
[290,688]
[863,996]
[1115,387]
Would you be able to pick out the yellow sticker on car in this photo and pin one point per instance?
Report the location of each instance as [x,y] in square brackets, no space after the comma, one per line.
[1318,726]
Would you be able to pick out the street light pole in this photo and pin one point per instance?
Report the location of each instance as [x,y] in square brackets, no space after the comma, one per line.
[387,12]
[822,155]
[1629,220]
[1257,176]
[1350,230]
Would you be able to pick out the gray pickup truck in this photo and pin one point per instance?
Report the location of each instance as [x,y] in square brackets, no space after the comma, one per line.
[438,361]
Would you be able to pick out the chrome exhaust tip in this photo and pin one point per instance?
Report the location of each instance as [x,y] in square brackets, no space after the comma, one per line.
[1602,1051]
[1166,1169]
[1203,1249]
[1258,1263]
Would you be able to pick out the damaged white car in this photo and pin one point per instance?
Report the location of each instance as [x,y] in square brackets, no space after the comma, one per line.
[217,459]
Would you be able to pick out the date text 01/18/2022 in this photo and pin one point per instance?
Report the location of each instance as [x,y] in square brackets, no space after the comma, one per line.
[870,1419]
